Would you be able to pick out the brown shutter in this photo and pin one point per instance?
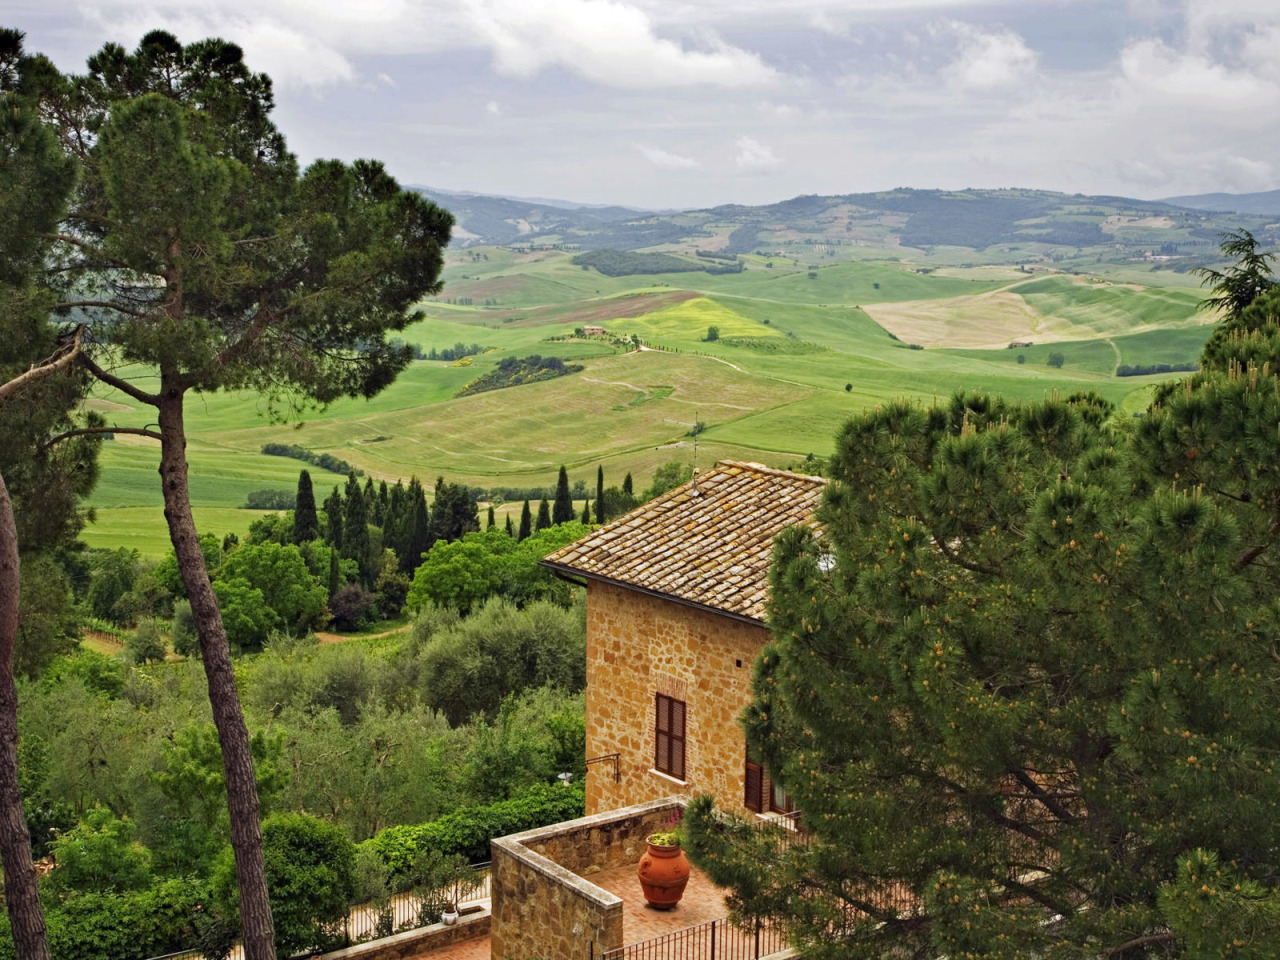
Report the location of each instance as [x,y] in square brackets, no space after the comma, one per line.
[755,780]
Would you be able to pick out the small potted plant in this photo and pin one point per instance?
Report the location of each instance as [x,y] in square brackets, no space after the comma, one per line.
[664,868]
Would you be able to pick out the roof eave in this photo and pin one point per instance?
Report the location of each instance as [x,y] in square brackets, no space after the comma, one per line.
[564,569]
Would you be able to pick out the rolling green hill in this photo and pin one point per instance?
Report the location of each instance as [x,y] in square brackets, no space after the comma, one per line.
[806,339]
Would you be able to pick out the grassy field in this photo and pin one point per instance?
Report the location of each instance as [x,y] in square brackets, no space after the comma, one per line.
[797,356]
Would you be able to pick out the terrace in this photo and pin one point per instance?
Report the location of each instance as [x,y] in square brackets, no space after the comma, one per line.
[569,891]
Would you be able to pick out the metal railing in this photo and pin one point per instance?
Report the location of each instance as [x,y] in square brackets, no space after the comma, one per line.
[405,911]
[408,911]
[713,940]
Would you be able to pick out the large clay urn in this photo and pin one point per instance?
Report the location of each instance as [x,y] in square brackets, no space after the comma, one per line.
[664,872]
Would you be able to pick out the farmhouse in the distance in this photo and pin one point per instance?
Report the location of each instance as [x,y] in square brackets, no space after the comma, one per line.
[676,594]
[592,330]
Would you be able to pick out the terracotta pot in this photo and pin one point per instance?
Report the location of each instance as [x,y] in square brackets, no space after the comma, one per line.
[664,872]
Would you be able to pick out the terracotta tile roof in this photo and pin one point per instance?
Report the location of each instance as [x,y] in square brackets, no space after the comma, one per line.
[707,542]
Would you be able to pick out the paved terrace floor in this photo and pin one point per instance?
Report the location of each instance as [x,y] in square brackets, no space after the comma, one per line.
[702,901]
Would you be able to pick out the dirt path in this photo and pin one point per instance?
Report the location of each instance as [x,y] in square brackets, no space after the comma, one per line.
[326,638]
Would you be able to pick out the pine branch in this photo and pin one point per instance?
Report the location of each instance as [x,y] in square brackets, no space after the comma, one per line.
[61,358]
[124,386]
[91,431]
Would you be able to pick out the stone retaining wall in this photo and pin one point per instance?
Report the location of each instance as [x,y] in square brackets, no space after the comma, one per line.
[542,906]
[474,922]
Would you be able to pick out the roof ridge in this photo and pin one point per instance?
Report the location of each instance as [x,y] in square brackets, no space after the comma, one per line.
[755,467]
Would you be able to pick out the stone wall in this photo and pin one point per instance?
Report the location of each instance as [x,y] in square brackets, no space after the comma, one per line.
[542,906]
[639,646]
[473,923]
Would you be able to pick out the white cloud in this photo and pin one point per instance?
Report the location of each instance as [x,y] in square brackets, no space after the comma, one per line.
[755,156]
[387,80]
[986,59]
[493,108]
[665,160]
[606,41]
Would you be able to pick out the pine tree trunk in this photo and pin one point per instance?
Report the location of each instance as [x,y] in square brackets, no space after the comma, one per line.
[242,791]
[26,917]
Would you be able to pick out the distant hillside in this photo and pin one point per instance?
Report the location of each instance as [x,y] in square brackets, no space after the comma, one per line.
[997,225]
[1262,204]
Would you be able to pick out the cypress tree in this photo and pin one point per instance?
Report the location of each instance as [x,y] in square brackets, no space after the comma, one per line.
[563,511]
[306,524]
[510,530]
[490,526]
[420,539]
[333,571]
[544,515]
[526,522]
[600,512]
[355,528]
[333,510]
[378,506]
[586,511]
[626,486]
[370,492]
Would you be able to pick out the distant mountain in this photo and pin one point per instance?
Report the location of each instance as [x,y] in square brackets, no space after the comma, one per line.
[506,220]
[1021,224]
[1260,204]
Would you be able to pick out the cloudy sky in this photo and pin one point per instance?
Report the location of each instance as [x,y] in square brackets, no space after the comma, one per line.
[683,103]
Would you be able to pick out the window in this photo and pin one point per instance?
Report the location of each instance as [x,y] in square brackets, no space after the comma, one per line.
[763,795]
[669,737]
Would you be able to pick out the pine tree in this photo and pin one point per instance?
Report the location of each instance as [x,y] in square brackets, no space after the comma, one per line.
[601,513]
[544,515]
[306,524]
[526,523]
[489,525]
[563,512]
[355,529]
[1049,627]
[237,272]
[333,511]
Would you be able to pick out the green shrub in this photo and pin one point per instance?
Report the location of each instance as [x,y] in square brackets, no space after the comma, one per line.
[99,855]
[310,876]
[161,919]
[468,831]
[145,644]
[186,643]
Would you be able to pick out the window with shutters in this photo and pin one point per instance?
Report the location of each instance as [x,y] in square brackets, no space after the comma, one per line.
[763,795]
[669,737]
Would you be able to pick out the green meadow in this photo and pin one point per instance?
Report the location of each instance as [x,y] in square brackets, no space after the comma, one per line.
[797,355]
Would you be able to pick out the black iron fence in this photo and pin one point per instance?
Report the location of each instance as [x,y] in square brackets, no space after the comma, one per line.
[403,912]
[714,940]
[408,911]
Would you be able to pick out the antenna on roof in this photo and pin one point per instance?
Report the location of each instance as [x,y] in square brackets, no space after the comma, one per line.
[695,441]
[694,477]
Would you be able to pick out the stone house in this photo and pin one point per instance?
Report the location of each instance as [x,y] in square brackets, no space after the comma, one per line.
[676,594]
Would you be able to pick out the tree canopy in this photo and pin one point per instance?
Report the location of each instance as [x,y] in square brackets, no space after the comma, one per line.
[1021,679]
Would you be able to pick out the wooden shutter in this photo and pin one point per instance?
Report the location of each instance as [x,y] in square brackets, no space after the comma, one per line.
[662,742]
[669,739]
[755,781]
[677,739]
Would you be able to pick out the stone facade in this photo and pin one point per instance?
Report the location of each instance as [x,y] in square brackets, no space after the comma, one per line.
[542,907]
[640,645]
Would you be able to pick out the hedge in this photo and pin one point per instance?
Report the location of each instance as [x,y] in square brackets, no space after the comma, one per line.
[468,831]
[125,926]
